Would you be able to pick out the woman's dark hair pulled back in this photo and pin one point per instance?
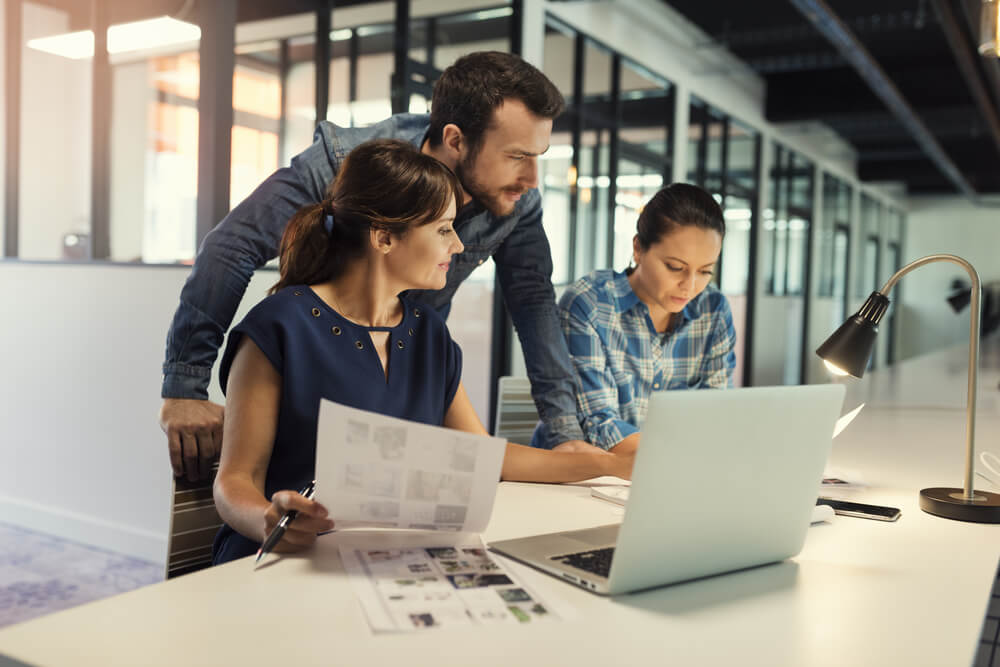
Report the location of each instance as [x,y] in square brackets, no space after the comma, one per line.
[678,205]
[384,184]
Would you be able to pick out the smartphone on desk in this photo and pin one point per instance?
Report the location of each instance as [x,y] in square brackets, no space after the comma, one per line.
[862,510]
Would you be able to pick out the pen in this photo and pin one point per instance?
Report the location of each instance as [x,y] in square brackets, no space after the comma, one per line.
[279,530]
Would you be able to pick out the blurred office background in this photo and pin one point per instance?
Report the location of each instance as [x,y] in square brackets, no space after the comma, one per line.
[132,126]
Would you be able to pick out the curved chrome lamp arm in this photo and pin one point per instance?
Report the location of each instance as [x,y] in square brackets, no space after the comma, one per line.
[970,407]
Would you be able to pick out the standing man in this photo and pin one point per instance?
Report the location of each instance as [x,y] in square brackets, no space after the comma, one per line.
[491,119]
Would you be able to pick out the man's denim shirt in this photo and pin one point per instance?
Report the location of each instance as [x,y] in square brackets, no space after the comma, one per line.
[249,237]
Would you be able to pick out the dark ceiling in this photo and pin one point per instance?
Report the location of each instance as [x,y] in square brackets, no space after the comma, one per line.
[919,44]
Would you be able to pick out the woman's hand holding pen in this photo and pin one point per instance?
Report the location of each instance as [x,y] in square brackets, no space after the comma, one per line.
[301,532]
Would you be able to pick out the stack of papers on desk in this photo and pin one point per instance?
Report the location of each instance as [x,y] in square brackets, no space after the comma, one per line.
[377,472]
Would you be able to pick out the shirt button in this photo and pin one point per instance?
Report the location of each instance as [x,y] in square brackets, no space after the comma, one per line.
[336,331]
[297,293]
[656,385]
[358,344]
[399,344]
[480,262]
[411,332]
[416,312]
[315,312]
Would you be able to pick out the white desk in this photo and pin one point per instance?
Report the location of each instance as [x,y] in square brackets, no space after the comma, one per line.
[861,592]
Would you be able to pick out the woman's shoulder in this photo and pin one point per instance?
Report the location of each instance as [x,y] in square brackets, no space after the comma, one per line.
[282,306]
[712,302]
[425,316]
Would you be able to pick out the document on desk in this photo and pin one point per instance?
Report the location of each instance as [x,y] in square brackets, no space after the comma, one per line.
[378,471]
[409,581]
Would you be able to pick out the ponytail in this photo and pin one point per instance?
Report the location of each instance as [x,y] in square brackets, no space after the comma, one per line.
[309,252]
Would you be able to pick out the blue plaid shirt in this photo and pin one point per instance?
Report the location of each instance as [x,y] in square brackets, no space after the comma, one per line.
[621,359]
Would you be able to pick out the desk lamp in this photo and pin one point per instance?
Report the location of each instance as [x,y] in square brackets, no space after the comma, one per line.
[847,351]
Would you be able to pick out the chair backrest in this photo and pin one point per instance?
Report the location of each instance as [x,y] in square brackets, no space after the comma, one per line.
[516,412]
[193,525]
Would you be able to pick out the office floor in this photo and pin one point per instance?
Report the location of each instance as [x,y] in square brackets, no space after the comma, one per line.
[40,574]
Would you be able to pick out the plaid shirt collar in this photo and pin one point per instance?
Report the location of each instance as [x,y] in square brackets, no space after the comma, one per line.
[626,299]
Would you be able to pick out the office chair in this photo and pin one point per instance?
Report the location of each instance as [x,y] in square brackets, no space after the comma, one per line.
[516,412]
[193,525]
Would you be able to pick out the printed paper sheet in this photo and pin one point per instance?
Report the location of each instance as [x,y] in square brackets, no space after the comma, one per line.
[411,583]
[378,471]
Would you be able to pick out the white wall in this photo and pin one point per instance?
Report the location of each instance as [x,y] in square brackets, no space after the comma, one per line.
[3,125]
[83,455]
[951,225]
[55,141]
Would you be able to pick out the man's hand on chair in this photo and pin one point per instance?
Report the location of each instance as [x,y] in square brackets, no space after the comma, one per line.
[194,435]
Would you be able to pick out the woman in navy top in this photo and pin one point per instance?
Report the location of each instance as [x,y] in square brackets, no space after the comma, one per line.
[336,327]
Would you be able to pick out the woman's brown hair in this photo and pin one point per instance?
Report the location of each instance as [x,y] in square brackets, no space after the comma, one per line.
[385,184]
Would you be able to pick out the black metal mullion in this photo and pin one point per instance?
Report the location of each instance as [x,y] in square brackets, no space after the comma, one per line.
[755,231]
[13,17]
[701,171]
[400,82]
[807,284]
[723,186]
[776,209]
[284,64]
[100,152]
[517,27]
[668,116]
[431,46]
[321,57]
[614,151]
[577,132]
[788,216]
[215,112]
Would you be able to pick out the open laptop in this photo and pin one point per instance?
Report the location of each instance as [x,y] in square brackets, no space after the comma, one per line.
[723,480]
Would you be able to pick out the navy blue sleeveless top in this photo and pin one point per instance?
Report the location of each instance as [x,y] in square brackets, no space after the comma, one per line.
[320,354]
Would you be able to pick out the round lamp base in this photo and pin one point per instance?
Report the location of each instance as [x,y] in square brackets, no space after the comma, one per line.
[949,503]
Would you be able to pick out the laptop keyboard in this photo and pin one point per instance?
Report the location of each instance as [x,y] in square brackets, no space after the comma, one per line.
[597,561]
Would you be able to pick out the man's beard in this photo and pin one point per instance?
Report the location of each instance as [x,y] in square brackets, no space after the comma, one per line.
[494,203]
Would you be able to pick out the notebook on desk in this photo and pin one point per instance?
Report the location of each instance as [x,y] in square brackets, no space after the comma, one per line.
[724,480]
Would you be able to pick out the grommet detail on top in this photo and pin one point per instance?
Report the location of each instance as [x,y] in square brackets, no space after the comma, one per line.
[411,332]
[416,312]
[315,312]
[297,293]
[358,344]
[335,330]
[399,344]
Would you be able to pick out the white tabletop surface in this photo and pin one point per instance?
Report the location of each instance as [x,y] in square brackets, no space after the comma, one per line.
[862,592]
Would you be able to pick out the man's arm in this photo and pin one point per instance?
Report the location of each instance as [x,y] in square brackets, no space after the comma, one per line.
[524,267]
[244,241]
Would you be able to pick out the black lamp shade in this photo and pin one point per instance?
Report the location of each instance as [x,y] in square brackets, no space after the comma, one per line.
[850,346]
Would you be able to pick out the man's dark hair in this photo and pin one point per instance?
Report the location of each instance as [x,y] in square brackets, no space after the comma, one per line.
[476,84]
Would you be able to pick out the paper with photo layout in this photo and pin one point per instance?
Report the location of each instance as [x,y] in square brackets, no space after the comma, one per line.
[410,582]
[378,471]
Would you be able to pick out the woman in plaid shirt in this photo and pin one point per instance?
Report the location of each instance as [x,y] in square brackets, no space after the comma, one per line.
[658,325]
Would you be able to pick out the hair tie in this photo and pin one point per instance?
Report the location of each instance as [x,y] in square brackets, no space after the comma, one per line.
[328,224]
